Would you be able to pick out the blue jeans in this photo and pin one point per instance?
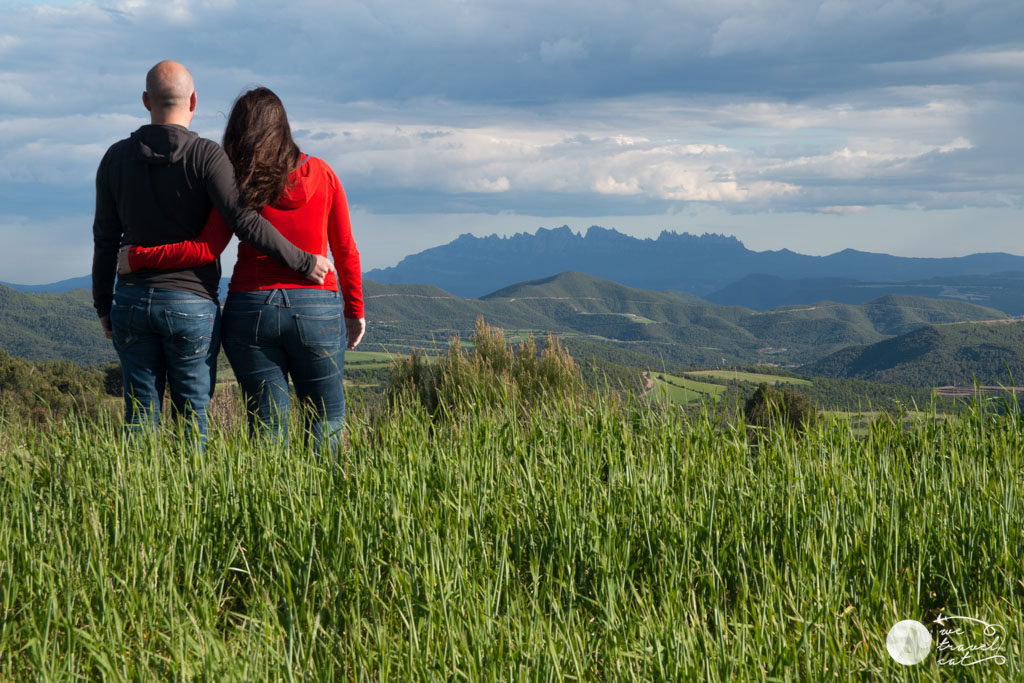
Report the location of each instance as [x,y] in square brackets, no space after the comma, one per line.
[166,338]
[271,334]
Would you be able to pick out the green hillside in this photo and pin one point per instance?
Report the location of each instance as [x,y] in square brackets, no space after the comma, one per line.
[935,355]
[700,333]
[621,324]
[607,296]
[828,326]
[575,306]
[52,327]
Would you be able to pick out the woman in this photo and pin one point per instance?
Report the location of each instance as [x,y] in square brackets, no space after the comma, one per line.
[276,323]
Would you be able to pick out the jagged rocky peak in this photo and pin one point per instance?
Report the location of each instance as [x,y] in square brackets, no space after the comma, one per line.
[596,233]
[708,238]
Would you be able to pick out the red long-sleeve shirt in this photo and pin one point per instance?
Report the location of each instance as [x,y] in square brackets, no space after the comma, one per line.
[312,214]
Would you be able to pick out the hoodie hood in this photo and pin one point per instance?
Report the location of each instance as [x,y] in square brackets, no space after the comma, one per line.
[162,143]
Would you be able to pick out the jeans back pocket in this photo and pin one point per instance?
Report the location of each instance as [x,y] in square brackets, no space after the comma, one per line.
[319,333]
[124,320]
[190,334]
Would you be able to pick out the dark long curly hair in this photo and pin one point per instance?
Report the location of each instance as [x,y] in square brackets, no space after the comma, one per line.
[258,140]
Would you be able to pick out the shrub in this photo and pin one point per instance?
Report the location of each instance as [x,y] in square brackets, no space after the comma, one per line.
[44,390]
[769,407]
[490,374]
[113,380]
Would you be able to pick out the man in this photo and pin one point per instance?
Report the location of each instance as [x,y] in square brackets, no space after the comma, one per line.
[158,187]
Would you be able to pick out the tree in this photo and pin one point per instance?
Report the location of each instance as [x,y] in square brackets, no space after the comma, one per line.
[769,407]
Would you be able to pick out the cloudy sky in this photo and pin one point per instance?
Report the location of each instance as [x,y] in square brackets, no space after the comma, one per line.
[816,125]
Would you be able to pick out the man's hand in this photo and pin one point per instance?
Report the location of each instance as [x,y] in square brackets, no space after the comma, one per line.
[320,270]
[354,329]
[124,266]
[107,329]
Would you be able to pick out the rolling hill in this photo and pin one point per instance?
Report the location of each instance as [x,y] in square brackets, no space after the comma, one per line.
[687,332]
[934,355]
[52,327]
[603,317]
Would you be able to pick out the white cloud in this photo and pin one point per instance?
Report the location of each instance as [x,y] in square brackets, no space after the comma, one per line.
[841,210]
[500,159]
[58,151]
[761,154]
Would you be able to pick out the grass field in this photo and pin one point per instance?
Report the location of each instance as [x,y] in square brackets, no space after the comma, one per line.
[372,359]
[755,377]
[682,390]
[860,420]
[573,541]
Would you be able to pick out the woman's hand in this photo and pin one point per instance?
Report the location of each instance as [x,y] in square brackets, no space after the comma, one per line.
[321,267]
[124,266]
[354,329]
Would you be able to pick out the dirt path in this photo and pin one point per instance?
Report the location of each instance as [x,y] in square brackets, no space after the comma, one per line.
[997,321]
[648,382]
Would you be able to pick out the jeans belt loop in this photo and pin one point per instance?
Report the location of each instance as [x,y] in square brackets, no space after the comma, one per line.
[284,295]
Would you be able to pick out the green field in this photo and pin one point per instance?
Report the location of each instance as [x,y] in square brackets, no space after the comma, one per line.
[754,377]
[570,541]
[515,336]
[370,356]
[367,360]
[683,390]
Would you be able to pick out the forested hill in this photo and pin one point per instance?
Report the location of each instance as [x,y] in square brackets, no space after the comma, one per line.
[935,355]
[603,295]
[683,330]
[52,327]
[473,266]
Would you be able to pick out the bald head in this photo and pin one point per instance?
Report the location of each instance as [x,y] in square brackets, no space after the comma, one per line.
[169,91]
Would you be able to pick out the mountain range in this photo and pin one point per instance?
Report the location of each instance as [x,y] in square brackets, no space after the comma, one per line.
[850,314]
[1002,291]
[83,282]
[718,268]
[473,266]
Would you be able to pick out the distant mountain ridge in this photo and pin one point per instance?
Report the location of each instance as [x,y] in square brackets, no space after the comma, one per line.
[472,266]
[84,282]
[1002,291]
[717,267]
